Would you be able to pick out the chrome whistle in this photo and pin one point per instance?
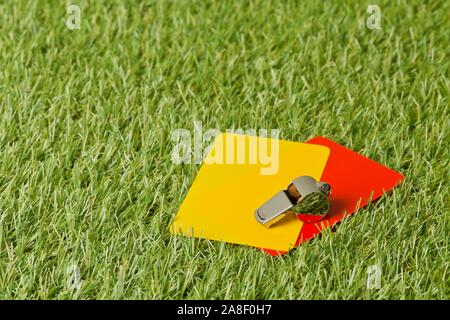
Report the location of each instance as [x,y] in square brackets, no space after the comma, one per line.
[303,195]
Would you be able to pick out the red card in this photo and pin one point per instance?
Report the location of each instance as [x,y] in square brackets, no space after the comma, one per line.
[355,180]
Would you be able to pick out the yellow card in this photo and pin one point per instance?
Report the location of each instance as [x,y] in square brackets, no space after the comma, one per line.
[238,175]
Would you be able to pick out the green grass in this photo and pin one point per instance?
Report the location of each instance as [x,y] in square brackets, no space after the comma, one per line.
[86,176]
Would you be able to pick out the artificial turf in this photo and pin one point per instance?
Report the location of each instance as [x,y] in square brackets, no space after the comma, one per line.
[86,176]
